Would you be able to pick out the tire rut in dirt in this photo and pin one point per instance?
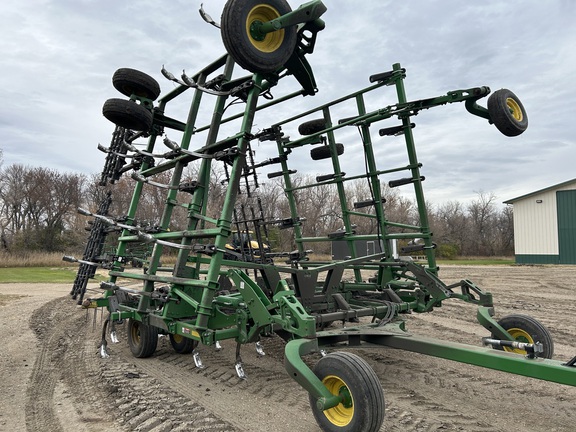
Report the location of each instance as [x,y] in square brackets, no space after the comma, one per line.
[145,403]
[217,387]
[409,407]
[41,415]
[61,331]
[103,387]
[146,399]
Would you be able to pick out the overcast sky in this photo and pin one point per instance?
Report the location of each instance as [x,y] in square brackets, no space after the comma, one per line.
[58,57]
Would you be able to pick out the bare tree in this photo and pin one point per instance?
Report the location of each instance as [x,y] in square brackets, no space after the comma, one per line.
[505,231]
[38,209]
[483,220]
[38,206]
[12,192]
[450,226]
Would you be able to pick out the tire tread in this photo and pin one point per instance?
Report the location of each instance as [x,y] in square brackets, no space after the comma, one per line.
[127,114]
[530,325]
[356,372]
[500,114]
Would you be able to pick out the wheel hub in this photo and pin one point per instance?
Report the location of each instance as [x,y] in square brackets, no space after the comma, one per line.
[342,414]
[265,42]
[514,109]
[135,333]
[520,336]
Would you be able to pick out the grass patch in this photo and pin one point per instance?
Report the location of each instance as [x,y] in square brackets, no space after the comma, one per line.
[31,259]
[36,267]
[37,275]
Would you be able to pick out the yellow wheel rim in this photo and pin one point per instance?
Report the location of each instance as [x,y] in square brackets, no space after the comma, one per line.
[177,338]
[342,414]
[271,41]
[135,333]
[515,109]
[520,336]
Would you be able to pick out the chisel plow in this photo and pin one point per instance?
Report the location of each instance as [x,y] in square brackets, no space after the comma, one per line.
[211,294]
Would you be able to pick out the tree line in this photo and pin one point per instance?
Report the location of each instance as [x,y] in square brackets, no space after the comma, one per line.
[38,211]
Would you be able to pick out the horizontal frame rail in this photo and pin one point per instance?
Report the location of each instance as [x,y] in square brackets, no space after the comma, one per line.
[539,368]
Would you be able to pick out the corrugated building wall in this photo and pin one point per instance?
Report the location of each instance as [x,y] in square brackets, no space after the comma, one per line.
[566,200]
[545,225]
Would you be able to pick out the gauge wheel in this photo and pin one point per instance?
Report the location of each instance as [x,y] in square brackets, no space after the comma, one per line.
[507,112]
[323,152]
[128,114]
[312,126]
[362,400]
[181,344]
[526,329]
[255,52]
[133,82]
[142,338]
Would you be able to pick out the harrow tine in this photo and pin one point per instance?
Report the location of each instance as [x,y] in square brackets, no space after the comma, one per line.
[260,349]
[207,17]
[94,319]
[186,80]
[172,145]
[218,346]
[72,259]
[103,345]
[238,365]
[197,359]
[240,370]
[114,337]
[103,351]
[170,76]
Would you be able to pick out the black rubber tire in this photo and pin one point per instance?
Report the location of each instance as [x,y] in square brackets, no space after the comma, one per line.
[507,112]
[127,114]
[131,81]
[344,370]
[182,345]
[268,55]
[524,328]
[142,339]
[312,126]
[323,152]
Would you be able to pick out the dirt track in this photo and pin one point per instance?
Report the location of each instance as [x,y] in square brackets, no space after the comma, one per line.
[53,379]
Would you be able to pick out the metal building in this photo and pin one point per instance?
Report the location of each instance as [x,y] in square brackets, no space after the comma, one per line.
[545,225]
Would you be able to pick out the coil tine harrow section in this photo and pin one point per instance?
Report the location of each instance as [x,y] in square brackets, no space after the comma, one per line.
[93,249]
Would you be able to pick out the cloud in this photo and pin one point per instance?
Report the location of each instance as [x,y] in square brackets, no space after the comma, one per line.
[58,58]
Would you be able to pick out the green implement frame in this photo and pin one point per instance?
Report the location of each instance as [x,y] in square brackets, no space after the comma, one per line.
[207,296]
